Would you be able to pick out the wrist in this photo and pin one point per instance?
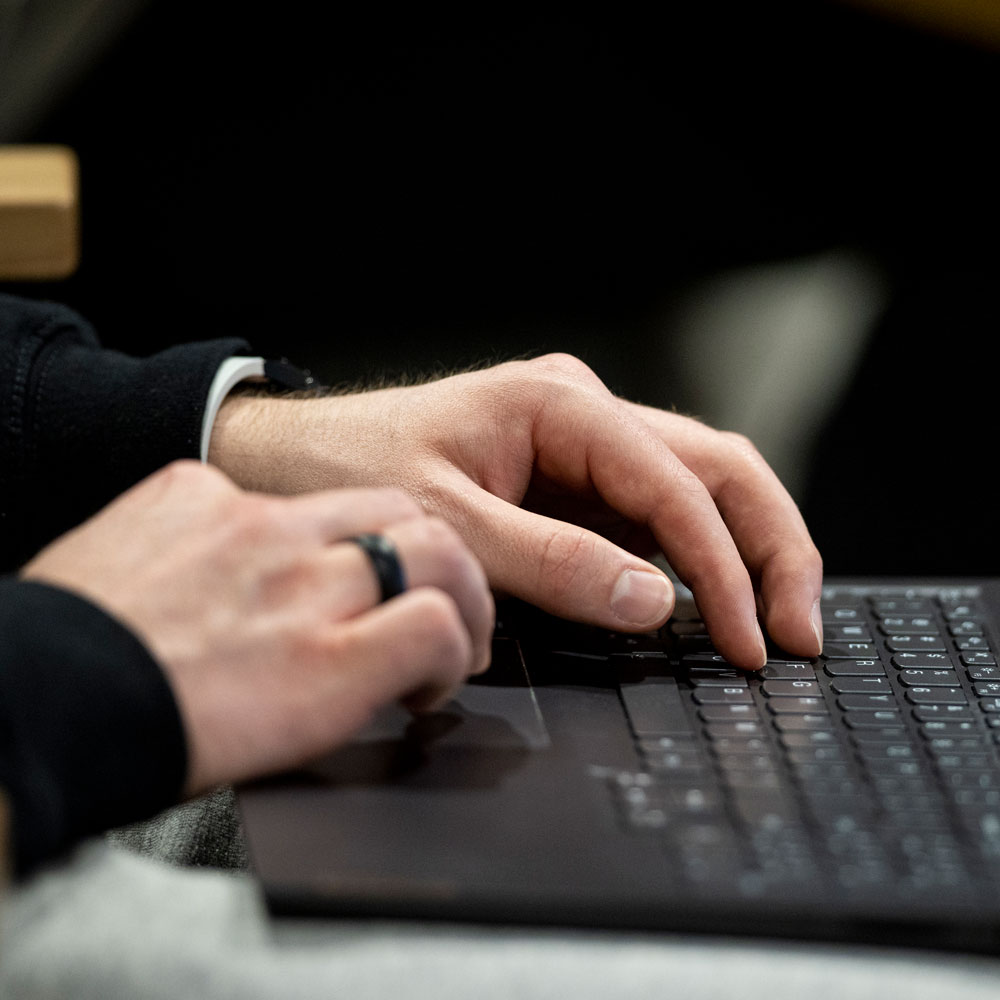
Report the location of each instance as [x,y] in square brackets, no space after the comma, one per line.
[275,444]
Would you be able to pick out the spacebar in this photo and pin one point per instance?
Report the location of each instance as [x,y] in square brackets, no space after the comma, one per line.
[654,707]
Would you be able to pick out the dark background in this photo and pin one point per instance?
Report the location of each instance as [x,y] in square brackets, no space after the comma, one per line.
[397,190]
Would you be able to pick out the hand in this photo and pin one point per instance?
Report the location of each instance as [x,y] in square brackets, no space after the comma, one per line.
[558,487]
[266,623]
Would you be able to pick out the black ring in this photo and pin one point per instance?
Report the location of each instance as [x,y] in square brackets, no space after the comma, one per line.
[385,561]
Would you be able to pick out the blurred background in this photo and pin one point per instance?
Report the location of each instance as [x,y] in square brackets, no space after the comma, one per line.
[780,217]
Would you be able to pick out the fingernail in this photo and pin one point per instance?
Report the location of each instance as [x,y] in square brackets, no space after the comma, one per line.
[817,625]
[762,644]
[642,598]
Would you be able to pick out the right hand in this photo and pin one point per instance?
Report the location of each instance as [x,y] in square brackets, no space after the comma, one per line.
[266,622]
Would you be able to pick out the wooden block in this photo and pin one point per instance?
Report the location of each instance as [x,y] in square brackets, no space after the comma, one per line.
[39,212]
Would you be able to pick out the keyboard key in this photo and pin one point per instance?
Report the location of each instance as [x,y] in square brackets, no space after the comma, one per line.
[849,651]
[732,746]
[808,738]
[710,695]
[829,771]
[839,616]
[708,677]
[934,713]
[799,723]
[846,633]
[902,606]
[970,760]
[950,744]
[882,734]
[854,668]
[890,751]
[785,689]
[950,728]
[887,767]
[928,678]
[727,713]
[690,661]
[821,755]
[872,720]
[905,643]
[787,671]
[662,744]
[796,706]
[958,610]
[974,779]
[674,762]
[912,625]
[972,642]
[978,659]
[936,696]
[984,673]
[860,685]
[966,626]
[733,729]
[922,661]
[850,702]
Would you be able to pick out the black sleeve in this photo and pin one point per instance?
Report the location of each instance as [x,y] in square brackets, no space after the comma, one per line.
[80,424]
[90,734]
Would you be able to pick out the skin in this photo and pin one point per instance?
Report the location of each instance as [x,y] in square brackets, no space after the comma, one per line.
[529,478]
[560,489]
[266,622]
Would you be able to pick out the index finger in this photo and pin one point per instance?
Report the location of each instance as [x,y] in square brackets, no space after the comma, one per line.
[764,521]
[600,441]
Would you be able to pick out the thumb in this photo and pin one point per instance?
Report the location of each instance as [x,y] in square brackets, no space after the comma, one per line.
[565,569]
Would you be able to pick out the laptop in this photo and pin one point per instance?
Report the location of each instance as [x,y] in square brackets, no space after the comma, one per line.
[594,779]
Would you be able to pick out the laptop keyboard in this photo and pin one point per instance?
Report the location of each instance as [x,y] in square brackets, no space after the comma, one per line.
[872,769]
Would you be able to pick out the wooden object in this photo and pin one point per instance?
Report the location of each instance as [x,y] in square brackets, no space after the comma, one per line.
[39,212]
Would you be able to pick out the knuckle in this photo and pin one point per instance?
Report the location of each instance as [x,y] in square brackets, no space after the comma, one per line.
[186,473]
[317,646]
[566,367]
[443,632]
[563,555]
[254,519]
[401,501]
[742,447]
[433,539]
[745,457]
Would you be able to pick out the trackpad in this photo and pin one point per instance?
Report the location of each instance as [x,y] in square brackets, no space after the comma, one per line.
[495,711]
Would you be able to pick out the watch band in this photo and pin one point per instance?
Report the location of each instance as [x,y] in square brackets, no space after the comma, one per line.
[277,374]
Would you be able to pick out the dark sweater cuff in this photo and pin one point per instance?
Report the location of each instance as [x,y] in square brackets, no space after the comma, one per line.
[82,424]
[90,733]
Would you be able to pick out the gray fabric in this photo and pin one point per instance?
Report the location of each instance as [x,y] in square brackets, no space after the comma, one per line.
[111,925]
[205,832]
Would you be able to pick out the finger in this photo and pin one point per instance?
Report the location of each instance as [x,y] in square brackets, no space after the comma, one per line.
[321,691]
[565,569]
[604,445]
[333,515]
[765,523]
[414,648]
[433,555]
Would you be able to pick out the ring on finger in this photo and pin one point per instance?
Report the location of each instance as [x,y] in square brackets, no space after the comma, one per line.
[384,558]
